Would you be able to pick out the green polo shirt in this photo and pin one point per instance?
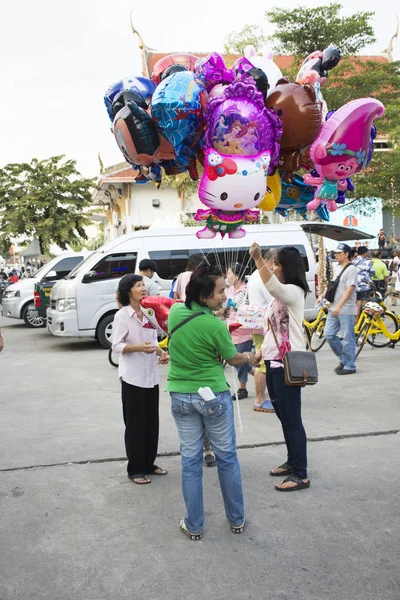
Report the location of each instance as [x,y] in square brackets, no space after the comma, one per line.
[380,269]
[194,350]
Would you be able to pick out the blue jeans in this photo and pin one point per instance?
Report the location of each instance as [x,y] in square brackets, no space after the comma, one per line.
[345,350]
[244,370]
[193,416]
[286,401]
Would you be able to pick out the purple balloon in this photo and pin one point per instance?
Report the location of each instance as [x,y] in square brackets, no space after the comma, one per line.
[212,70]
[239,123]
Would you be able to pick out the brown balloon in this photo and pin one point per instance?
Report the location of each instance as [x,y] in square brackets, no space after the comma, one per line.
[301,115]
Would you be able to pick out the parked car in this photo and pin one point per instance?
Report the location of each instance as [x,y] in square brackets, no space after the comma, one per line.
[18,298]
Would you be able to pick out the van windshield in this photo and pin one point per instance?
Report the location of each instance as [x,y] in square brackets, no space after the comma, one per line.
[81,267]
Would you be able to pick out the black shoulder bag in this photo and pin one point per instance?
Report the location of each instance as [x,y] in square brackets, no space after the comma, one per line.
[193,316]
[333,285]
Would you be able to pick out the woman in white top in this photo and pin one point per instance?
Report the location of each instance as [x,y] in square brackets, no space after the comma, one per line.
[135,339]
[285,279]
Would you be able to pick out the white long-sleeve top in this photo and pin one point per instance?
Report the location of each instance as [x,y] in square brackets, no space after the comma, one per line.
[286,313]
[135,368]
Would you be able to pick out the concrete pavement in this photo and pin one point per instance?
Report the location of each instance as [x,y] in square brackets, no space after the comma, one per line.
[83,531]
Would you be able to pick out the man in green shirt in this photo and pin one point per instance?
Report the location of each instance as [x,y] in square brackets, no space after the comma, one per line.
[197,341]
[381,271]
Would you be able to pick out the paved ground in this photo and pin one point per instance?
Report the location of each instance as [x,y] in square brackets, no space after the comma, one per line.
[79,530]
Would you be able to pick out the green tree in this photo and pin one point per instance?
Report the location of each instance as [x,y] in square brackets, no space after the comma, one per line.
[183,184]
[300,31]
[47,200]
[250,35]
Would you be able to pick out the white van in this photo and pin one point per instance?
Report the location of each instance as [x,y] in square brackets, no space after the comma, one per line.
[83,304]
[18,297]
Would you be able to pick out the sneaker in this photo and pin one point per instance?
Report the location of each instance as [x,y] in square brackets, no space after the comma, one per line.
[339,367]
[242,394]
[345,372]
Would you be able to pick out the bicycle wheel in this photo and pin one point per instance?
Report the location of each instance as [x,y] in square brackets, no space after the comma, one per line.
[379,340]
[362,336]
[391,298]
[307,336]
[318,337]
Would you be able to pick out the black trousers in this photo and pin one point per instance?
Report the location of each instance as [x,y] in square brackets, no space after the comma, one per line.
[287,403]
[140,410]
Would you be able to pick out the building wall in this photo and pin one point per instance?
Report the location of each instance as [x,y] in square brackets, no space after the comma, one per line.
[387,223]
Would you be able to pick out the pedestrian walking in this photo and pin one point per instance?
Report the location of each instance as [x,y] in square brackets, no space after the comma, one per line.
[342,312]
[285,279]
[197,341]
[1,341]
[364,277]
[135,340]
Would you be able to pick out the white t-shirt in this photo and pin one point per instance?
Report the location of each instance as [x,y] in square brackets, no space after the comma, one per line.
[152,287]
[181,283]
[258,294]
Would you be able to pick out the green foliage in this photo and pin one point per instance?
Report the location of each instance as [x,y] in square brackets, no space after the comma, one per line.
[300,31]
[182,183]
[250,35]
[44,200]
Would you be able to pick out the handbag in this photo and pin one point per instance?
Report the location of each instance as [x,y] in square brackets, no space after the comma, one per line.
[333,285]
[300,367]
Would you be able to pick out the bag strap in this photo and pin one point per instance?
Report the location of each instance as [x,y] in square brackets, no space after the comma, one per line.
[198,314]
[342,271]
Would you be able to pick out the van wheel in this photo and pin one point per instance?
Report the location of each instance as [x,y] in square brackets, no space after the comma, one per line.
[31,316]
[104,331]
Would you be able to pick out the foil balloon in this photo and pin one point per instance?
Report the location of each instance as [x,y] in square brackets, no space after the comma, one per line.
[177,108]
[230,187]
[137,137]
[213,70]
[156,309]
[299,110]
[239,124]
[342,149]
[143,87]
[184,60]
[317,64]
[265,63]
[274,193]
[295,196]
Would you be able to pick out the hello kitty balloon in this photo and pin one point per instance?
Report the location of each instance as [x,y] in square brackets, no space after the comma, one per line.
[230,187]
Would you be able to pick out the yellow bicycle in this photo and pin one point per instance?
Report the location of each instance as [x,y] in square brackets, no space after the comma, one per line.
[376,327]
[314,331]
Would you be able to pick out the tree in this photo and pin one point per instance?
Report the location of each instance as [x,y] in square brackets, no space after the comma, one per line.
[47,200]
[183,184]
[300,31]
[250,35]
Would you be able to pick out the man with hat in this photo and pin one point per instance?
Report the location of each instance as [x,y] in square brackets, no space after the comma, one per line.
[342,312]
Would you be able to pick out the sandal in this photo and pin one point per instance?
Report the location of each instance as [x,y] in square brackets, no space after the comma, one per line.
[238,529]
[209,460]
[266,406]
[159,469]
[285,469]
[139,479]
[192,536]
[300,484]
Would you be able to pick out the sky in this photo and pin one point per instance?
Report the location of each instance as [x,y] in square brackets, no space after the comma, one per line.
[58,58]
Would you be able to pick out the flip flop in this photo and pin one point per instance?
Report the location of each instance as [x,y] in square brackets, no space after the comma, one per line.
[161,471]
[145,481]
[266,406]
[300,484]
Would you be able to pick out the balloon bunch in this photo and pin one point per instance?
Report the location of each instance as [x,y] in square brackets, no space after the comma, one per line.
[252,130]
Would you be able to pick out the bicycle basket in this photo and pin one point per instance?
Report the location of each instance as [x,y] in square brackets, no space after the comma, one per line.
[373,308]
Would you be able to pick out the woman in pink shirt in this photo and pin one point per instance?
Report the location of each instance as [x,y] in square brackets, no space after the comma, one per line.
[236,295]
[135,339]
[183,278]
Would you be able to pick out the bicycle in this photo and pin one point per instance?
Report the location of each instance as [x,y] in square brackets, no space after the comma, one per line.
[372,324]
[314,331]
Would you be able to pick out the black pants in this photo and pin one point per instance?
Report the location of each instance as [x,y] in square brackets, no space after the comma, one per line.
[287,404]
[140,410]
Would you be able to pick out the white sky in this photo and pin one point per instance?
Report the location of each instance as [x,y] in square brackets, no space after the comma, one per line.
[58,58]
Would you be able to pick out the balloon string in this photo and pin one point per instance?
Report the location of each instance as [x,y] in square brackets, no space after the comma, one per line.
[239,416]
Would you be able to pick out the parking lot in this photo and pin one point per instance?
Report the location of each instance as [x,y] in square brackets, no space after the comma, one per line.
[73,526]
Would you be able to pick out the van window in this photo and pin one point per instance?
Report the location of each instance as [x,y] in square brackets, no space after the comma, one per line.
[114,265]
[172,262]
[66,265]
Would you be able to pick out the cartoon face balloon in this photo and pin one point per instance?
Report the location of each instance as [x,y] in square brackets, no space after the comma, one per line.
[230,187]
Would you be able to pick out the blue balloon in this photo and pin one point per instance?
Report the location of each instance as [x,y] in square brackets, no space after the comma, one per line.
[141,85]
[295,196]
[177,108]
